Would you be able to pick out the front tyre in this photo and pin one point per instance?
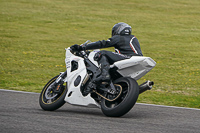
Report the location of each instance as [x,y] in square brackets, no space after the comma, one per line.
[52,95]
[124,103]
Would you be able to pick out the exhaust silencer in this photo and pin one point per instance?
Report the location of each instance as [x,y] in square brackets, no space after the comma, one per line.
[145,86]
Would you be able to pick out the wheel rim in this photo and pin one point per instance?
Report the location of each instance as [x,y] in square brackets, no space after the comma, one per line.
[115,103]
[49,93]
[49,96]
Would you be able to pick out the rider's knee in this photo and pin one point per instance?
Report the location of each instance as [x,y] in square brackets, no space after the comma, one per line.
[97,56]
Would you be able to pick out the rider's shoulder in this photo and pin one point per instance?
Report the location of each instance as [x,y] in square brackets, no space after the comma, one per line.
[115,37]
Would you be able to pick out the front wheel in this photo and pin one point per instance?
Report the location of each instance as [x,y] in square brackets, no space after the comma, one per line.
[52,95]
[126,100]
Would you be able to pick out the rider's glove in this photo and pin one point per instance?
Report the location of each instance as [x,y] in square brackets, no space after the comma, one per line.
[76,47]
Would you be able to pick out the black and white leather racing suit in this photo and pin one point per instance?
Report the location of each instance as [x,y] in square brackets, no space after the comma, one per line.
[125,47]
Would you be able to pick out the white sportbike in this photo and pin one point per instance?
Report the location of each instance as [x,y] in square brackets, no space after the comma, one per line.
[114,99]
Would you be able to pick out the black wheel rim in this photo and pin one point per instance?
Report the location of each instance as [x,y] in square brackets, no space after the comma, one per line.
[49,96]
[115,103]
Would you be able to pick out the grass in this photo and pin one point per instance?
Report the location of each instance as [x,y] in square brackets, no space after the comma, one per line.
[33,35]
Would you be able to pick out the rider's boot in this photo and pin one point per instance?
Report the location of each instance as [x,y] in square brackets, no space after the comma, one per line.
[104,66]
[103,77]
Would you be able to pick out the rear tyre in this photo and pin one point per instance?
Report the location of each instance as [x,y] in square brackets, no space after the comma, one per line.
[124,103]
[50,99]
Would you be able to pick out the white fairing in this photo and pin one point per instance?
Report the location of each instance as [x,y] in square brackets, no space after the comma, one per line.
[135,67]
[74,95]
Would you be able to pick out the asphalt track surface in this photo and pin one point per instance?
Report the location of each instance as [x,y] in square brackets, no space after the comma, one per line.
[20,113]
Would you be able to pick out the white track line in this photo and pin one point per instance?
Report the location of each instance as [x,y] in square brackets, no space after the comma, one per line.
[175,107]
[136,103]
[18,91]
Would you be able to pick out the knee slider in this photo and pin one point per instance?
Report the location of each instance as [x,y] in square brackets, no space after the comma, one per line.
[97,56]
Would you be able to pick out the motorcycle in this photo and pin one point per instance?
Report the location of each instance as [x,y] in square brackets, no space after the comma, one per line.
[114,99]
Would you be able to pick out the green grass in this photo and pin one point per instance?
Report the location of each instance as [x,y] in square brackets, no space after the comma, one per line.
[33,35]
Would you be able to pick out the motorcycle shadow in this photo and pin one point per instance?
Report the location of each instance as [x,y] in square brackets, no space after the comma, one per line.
[83,111]
[70,110]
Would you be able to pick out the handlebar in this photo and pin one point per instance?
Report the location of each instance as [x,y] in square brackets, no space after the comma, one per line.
[88,41]
[82,53]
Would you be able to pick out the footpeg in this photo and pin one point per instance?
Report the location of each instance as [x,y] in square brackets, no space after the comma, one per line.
[111,91]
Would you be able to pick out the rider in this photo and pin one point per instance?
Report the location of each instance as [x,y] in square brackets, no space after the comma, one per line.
[126,45]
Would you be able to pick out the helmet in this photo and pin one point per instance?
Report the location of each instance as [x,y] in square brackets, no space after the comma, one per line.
[121,29]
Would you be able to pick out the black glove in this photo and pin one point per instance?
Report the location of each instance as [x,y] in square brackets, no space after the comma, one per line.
[76,47]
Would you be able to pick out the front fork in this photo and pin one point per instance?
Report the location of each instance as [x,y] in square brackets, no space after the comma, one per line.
[61,77]
[57,85]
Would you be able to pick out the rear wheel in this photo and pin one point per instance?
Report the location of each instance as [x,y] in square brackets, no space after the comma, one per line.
[52,95]
[125,101]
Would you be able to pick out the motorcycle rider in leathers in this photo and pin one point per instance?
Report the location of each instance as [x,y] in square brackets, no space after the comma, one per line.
[126,45]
